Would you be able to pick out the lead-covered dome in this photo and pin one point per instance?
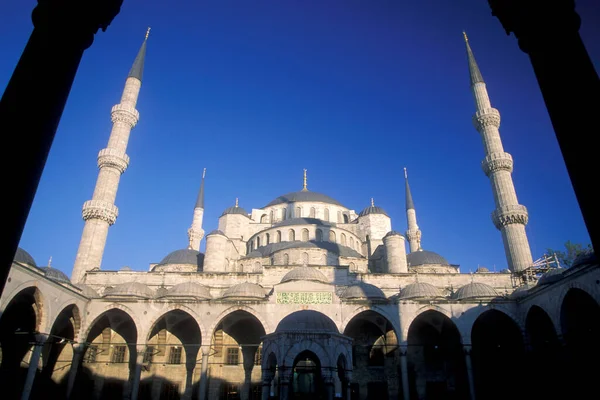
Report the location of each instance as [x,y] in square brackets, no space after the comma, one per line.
[307,320]
[23,257]
[235,210]
[363,291]
[420,290]
[245,291]
[304,274]
[551,276]
[475,290]
[425,257]
[303,195]
[184,256]
[55,274]
[372,210]
[87,291]
[130,289]
[188,290]
[521,291]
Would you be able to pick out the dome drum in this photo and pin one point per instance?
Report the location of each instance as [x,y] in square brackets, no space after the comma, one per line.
[305,274]
[188,290]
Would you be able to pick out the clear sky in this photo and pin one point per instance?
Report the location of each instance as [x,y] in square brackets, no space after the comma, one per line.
[255,91]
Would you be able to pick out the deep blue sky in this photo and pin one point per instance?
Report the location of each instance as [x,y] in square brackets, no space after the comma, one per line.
[255,91]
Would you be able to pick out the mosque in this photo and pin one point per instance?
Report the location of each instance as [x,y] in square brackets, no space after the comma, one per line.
[301,298]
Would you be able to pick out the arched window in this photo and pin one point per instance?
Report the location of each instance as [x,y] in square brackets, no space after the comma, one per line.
[291,235]
[257,267]
[272,260]
[286,259]
[346,218]
[305,235]
[319,235]
[251,245]
[332,236]
[240,268]
[352,267]
[304,258]
[326,214]
[312,212]
[267,239]
[340,219]
[283,213]
[343,239]
[263,219]
[298,212]
[351,242]
[257,242]
[278,237]
[271,217]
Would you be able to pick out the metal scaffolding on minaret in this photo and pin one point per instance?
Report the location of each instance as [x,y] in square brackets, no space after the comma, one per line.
[196,233]
[509,216]
[100,212]
[413,234]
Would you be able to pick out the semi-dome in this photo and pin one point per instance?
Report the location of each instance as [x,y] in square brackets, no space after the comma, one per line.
[392,233]
[303,195]
[304,274]
[307,320]
[87,291]
[424,257]
[130,289]
[184,256]
[551,276]
[235,210]
[521,291]
[55,274]
[372,210]
[23,257]
[245,290]
[188,290]
[362,290]
[475,290]
[420,290]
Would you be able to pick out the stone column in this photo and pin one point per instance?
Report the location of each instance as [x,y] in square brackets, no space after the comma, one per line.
[78,352]
[267,377]
[189,378]
[40,340]
[284,384]
[329,387]
[404,371]
[467,349]
[203,374]
[137,372]
[248,353]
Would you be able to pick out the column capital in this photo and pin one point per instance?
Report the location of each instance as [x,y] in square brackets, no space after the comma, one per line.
[205,351]
[467,349]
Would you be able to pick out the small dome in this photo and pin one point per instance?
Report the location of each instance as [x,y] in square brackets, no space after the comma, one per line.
[216,232]
[125,269]
[235,210]
[363,290]
[244,290]
[87,291]
[392,233]
[481,269]
[420,290]
[586,258]
[551,276]
[521,291]
[372,210]
[307,320]
[23,257]
[304,274]
[303,195]
[188,289]
[130,289]
[55,274]
[424,257]
[475,290]
[184,256]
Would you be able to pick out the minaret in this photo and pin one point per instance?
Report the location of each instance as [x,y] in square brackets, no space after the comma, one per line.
[304,186]
[196,233]
[509,216]
[413,234]
[101,212]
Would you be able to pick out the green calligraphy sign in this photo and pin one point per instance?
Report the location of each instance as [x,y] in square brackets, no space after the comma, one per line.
[304,298]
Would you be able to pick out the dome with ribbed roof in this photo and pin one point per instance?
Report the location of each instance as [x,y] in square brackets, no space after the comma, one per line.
[245,290]
[87,291]
[184,256]
[303,195]
[475,290]
[235,210]
[130,289]
[216,232]
[521,291]
[363,291]
[55,274]
[425,257]
[420,290]
[23,257]
[392,233]
[304,274]
[307,320]
[188,290]
[372,210]
[551,276]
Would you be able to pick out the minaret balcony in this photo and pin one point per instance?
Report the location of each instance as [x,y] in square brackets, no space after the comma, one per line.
[124,113]
[496,162]
[98,209]
[486,117]
[511,214]
[113,158]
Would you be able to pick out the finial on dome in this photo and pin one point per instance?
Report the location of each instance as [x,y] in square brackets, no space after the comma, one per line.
[50,262]
[405,173]
[203,173]
[147,33]
[236,202]
[304,188]
[372,202]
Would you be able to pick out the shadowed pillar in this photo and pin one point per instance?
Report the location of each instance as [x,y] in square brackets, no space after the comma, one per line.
[548,31]
[63,29]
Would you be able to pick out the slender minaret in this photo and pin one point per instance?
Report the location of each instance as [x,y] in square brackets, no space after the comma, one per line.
[304,186]
[413,234]
[101,212]
[509,216]
[196,233]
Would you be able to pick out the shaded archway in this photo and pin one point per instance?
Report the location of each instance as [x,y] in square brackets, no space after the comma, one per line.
[172,352]
[235,357]
[580,325]
[343,377]
[497,350]
[374,356]
[544,352]
[110,358]
[436,362]
[307,383]
[19,322]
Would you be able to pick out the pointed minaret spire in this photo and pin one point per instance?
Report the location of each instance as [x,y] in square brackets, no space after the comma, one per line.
[100,212]
[509,216]
[413,234]
[196,233]
[304,187]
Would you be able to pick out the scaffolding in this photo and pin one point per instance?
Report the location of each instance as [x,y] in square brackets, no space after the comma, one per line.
[539,267]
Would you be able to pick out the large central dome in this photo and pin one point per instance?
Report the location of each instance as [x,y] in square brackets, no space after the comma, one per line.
[303,195]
